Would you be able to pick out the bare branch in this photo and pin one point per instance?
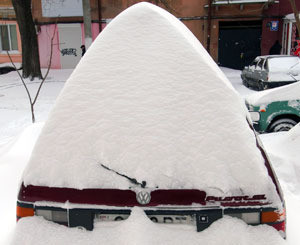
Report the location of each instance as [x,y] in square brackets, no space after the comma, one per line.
[32,103]
[24,84]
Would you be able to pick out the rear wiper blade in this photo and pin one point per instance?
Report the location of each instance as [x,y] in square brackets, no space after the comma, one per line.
[132,180]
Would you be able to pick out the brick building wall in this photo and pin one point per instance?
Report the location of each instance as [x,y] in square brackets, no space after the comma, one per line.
[206,25]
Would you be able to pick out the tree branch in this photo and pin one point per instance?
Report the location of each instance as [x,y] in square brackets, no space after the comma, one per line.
[32,103]
[27,91]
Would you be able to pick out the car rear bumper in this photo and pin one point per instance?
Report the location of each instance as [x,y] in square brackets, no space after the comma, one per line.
[276,84]
[201,218]
[82,208]
[260,85]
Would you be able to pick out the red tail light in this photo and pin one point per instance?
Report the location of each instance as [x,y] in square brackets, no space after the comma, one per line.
[275,219]
[24,212]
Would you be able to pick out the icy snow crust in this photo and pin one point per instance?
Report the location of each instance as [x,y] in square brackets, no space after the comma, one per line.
[149,102]
[284,93]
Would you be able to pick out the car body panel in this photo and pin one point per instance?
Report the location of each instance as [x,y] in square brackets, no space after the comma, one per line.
[261,76]
[273,110]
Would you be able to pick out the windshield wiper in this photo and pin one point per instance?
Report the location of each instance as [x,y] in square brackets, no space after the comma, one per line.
[132,180]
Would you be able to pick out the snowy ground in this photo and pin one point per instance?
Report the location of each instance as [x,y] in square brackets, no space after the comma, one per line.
[17,138]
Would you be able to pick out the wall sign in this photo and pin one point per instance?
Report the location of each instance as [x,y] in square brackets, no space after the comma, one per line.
[62,8]
[274,25]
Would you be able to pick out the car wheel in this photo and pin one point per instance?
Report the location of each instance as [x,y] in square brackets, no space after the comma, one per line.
[260,86]
[245,82]
[284,124]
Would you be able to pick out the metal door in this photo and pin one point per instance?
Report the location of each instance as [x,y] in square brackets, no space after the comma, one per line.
[69,44]
[239,43]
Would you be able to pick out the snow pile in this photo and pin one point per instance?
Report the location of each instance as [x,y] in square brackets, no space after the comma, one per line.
[284,154]
[12,161]
[138,229]
[148,101]
[283,150]
[287,92]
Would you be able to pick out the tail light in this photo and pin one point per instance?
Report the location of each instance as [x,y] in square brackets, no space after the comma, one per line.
[272,217]
[275,219]
[24,211]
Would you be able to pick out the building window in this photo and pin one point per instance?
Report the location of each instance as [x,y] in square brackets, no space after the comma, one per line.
[8,37]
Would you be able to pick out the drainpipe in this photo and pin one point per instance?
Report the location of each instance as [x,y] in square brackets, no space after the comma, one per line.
[99,15]
[209,25]
[87,21]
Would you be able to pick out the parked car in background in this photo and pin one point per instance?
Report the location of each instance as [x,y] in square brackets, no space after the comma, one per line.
[271,71]
[276,109]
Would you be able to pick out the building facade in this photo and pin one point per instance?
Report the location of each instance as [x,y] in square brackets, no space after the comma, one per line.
[233,31]
[284,28]
[10,40]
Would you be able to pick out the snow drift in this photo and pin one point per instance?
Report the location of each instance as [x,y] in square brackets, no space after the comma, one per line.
[284,155]
[284,93]
[148,101]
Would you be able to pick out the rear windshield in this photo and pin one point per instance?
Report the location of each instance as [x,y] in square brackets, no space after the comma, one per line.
[283,63]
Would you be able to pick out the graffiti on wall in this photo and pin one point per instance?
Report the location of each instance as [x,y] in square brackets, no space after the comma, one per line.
[69,51]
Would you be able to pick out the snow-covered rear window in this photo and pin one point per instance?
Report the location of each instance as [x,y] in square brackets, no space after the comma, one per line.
[283,64]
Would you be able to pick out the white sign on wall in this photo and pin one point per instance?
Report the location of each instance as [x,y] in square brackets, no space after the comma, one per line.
[62,8]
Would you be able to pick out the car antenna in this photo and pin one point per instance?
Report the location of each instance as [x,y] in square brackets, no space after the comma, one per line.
[132,180]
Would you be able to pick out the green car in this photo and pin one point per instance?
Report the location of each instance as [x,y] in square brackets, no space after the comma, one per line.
[276,109]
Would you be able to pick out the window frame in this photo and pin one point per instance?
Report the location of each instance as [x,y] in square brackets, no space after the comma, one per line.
[260,64]
[8,26]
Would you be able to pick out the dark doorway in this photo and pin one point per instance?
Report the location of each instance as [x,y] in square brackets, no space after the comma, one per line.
[239,43]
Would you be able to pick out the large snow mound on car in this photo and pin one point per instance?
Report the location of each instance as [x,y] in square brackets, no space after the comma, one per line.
[148,101]
[284,93]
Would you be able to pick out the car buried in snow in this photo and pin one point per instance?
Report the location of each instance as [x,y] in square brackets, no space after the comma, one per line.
[146,130]
[275,110]
[271,71]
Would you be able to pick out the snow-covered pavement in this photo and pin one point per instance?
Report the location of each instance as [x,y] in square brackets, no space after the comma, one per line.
[14,103]
[16,132]
[17,140]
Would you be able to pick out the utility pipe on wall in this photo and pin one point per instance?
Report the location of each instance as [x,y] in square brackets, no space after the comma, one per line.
[87,21]
[209,25]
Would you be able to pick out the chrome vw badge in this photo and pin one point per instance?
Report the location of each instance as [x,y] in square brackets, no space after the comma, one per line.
[143,197]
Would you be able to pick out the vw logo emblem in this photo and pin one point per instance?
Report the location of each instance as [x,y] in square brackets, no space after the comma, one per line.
[143,197]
